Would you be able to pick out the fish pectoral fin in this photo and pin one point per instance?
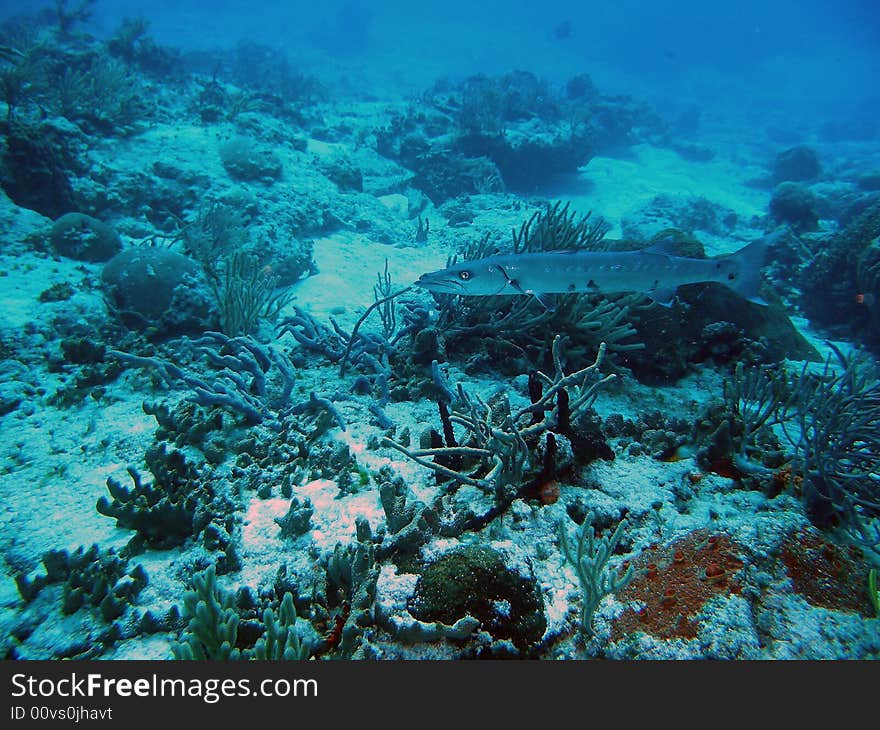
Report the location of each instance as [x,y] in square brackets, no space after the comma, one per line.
[548,301]
[663,297]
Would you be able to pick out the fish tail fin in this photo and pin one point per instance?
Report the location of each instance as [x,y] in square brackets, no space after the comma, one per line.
[750,260]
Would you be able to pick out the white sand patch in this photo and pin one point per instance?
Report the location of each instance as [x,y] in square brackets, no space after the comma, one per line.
[190,147]
[393,589]
[261,541]
[334,519]
[26,277]
[396,203]
[328,150]
[259,522]
[348,266]
[58,463]
[616,188]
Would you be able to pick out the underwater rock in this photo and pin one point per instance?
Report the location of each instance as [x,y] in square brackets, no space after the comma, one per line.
[247,162]
[841,203]
[532,154]
[37,167]
[344,174]
[59,292]
[675,218]
[796,205]
[475,581]
[81,237]
[581,88]
[212,102]
[796,164]
[157,288]
[683,334]
[12,394]
[83,351]
[449,175]
[289,258]
[841,280]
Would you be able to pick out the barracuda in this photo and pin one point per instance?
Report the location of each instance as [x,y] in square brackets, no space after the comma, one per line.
[653,271]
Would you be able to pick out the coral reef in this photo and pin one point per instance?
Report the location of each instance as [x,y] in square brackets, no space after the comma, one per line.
[512,131]
[38,162]
[476,581]
[830,422]
[158,289]
[674,582]
[91,594]
[214,619]
[205,267]
[244,160]
[838,280]
[513,329]
[90,576]
[84,238]
[589,558]
[512,452]
[796,205]
[179,504]
[351,576]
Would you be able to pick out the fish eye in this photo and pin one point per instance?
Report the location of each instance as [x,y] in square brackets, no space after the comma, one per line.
[464,275]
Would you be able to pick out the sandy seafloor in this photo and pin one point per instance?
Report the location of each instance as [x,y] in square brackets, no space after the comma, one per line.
[54,462]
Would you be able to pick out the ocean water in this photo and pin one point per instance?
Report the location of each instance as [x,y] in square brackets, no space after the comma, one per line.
[537,331]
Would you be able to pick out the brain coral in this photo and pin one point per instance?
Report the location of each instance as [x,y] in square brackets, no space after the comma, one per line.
[155,288]
[81,237]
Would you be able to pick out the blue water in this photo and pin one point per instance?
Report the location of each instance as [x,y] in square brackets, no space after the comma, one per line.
[808,58]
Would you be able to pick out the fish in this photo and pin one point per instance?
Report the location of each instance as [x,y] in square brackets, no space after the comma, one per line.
[654,271]
[13,55]
[562,31]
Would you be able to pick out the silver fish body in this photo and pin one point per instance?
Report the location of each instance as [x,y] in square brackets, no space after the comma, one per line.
[652,271]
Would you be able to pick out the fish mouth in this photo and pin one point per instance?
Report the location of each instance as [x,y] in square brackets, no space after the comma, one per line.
[439,282]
